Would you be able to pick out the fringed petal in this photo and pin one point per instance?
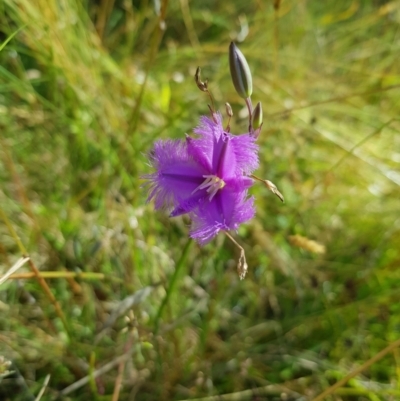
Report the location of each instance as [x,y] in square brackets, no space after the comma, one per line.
[246,153]
[226,211]
[177,174]
[188,172]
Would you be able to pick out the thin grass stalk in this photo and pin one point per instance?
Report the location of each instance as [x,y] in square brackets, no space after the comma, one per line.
[121,368]
[357,371]
[335,99]
[35,270]
[55,275]
[158,34]
[164,303]
[96,373]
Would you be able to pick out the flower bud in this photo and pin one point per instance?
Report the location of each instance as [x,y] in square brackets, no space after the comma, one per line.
[257,117]
[256,121]
[240,72]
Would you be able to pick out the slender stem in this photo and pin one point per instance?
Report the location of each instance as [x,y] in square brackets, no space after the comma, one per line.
[357,371]
[250,109]
[257,178]
[358,144]
[47,275]
[13,269]
[43,389]
[242,264]
[35,270]
[50,295]
[277,4]
[336,99]
[121,368]
[15,236]
[104,13]
[154,46]
[229,112]
[211,99]
[172,283]
[228,126]
[188,21]
[20,190]
[252,394]
[94,374]
[4,44]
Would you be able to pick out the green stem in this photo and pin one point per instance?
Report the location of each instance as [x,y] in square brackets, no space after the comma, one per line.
[172,283]
[250,109]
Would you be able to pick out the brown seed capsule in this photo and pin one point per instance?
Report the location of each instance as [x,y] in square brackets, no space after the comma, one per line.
[228,109]
[203,86]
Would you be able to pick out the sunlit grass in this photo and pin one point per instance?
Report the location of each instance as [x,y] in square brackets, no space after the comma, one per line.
[85,89]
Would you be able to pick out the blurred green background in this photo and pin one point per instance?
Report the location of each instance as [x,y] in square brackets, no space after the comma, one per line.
[130,309]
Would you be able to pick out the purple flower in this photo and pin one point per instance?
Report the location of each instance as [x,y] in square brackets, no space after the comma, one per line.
[207,176]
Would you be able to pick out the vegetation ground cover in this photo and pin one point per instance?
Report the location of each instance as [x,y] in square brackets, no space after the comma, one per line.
[114,301]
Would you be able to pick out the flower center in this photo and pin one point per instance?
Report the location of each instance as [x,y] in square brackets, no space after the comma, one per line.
[212,183]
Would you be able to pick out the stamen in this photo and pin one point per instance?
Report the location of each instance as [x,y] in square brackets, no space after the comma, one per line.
[213,185]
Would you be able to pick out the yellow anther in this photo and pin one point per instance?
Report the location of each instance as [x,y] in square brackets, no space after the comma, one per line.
[213,185]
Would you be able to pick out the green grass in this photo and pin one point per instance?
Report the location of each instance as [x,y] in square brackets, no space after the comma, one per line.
[85,89]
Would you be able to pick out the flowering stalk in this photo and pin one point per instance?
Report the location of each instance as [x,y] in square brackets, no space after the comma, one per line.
[207,176]
[203,86]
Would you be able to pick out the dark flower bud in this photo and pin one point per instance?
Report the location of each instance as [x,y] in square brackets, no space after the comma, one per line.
[240,72]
